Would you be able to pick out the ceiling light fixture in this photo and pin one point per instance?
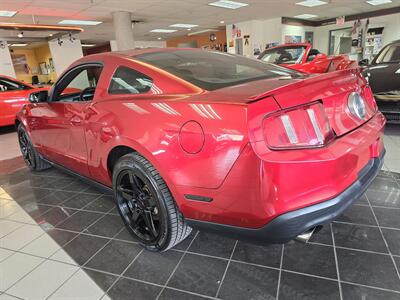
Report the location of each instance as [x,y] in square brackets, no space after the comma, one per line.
[20,35]
[79,22]
[181,25]
[158,30]
[311,3]
[306,16]
[18,45]
[88,45]
[7,13]
[379,2]
[222,22]
[159,38]
[228,4]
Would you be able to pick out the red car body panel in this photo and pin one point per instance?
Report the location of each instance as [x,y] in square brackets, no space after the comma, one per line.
[12,101]
[321,64]
[249,183]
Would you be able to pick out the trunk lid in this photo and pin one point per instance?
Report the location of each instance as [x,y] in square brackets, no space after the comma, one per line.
[333,90]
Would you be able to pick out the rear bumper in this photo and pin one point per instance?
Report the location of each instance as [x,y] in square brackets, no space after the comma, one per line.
[289,225]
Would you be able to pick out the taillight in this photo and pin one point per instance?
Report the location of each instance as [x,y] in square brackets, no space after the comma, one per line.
[369,97]
[300,127]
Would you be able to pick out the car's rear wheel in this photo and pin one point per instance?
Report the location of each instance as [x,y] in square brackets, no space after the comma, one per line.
[146,204]
[30,155]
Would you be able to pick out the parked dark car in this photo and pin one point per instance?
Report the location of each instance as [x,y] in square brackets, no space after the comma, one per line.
[383,75]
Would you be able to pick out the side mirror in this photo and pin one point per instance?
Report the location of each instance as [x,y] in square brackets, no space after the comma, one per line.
[39,96]
[363,62]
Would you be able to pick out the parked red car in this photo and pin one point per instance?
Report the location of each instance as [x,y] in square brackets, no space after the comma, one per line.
[303,58]
[13,95]
[191,138]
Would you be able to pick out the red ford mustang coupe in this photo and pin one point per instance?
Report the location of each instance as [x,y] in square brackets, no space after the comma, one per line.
[191,138]
[303,58]
[13,95]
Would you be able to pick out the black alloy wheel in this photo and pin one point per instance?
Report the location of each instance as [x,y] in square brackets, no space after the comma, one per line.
[146,205]
[31,157]
[139,206]
[26,149]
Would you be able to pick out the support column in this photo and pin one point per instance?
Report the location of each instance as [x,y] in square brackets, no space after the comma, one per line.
[123,30]
[64,52]
[6,65]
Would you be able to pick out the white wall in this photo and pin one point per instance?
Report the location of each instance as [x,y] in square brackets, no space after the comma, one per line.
[390,33]
[267,31]
[141,44]
[246,28]
[295,30]
[155,44]
[6,65]
[64,55]
[263,32]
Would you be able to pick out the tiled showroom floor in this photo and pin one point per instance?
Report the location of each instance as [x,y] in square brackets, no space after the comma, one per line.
[62,239]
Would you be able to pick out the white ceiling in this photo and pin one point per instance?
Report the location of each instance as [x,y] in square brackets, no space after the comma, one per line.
[162,13]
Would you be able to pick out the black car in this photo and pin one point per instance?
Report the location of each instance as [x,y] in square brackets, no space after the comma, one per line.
[383,75]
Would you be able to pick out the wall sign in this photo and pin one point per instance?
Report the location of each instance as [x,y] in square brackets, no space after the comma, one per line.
[236,32]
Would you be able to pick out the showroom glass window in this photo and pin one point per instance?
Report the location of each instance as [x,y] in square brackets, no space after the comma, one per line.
[83,78]
[128,81]
[213,70]
[390,54]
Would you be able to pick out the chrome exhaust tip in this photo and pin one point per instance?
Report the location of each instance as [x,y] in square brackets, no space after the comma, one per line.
[305,236]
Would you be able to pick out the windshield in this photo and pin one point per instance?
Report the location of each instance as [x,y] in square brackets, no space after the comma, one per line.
[213,70]
[10,85]
[283,55]
[389,54]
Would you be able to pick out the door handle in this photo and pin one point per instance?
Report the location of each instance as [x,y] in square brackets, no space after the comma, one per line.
[75,120]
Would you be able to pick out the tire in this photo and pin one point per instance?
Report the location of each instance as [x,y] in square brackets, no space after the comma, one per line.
[170,228]
[31,157]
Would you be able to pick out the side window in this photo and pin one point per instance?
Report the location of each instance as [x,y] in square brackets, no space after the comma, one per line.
[84,80]
[128,81]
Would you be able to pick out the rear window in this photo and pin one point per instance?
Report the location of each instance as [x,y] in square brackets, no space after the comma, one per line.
[128,81]
[213,70]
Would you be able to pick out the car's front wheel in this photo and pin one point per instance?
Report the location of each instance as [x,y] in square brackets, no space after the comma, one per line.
[146,204]
[30,155]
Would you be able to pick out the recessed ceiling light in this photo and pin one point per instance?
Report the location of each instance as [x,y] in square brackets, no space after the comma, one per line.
[7,13]
[20,35]
[311,3]
[79,22]
[221,22]
[163,30]
[88,45]
[305,16]
[183,25]
[228,4]
[159,38]
[378,2]
[18,45]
